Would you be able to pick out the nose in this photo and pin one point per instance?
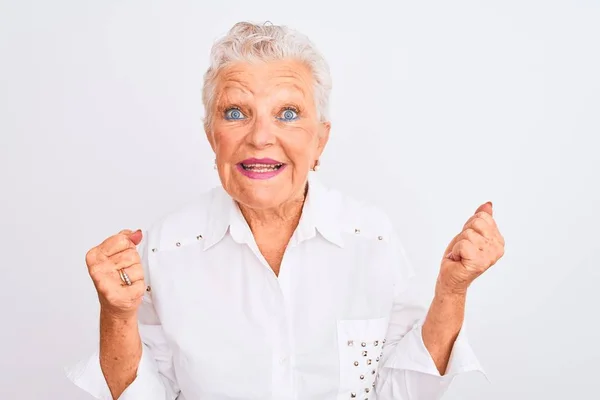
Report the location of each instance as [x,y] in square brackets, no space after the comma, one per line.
[261,134]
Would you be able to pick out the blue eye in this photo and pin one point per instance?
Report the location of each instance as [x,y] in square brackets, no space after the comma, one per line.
[234,114]
[288,115]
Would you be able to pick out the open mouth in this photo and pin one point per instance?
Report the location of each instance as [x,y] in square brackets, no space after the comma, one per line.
[260,168]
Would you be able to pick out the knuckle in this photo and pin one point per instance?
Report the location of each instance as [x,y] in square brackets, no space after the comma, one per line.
[479,223]
[137,270]
[91,256]
[122,241]
[469,233]
[462,244]
[482,215]
[133,256]
[501,251]
[97,271]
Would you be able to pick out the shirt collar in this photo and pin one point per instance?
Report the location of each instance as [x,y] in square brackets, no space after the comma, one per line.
[318,216]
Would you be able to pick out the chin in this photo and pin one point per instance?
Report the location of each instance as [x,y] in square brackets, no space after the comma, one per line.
[262,198]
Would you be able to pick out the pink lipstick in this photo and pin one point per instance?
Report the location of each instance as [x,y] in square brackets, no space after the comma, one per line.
[260,168]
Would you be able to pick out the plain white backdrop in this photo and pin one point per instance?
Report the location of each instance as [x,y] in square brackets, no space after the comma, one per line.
[437,107]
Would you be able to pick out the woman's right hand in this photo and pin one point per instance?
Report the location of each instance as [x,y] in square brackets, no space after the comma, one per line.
[104,261]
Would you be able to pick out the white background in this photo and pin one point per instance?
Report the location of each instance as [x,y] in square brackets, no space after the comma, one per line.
[437,107]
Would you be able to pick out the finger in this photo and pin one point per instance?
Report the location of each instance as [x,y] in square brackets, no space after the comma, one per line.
[125,259]
[116,244]
[486,207]
[464,250]
[481,215]
[467,234]
[476,238]
[136,237]
[482,227]
[135,273]
[94,257]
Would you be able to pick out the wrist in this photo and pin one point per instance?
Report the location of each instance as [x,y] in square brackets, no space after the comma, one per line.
[118,318]
[446,290]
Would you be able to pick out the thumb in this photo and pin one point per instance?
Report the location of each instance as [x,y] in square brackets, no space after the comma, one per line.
[486,207]
[136,237]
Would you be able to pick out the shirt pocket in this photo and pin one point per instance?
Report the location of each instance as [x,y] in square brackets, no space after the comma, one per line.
[360,347]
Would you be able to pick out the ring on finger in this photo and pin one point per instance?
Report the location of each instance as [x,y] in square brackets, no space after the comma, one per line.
[124,277]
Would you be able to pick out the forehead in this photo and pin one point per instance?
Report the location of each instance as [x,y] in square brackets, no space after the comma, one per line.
[266,78]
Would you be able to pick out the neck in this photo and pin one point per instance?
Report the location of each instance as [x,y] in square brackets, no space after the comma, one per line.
[282,219]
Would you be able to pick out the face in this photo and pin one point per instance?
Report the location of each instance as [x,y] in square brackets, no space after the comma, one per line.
[265,131]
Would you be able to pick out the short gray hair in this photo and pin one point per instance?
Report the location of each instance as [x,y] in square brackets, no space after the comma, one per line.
[250,42]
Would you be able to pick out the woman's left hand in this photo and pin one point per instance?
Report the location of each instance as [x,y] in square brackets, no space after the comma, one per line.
[479,246]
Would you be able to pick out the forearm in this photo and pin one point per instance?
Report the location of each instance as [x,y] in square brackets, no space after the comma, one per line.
[120,352]
[442,325]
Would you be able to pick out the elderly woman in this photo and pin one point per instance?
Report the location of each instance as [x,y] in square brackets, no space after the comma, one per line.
[272,286]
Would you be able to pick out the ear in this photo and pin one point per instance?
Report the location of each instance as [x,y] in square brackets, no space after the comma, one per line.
[324,129]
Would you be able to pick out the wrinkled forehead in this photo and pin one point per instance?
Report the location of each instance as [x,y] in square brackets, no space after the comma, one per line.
[286,80]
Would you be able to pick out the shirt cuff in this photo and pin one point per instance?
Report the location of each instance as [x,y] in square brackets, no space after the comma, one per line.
[411,354]
[87,374]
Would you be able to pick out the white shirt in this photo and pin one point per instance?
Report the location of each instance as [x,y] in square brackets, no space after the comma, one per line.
[218,324]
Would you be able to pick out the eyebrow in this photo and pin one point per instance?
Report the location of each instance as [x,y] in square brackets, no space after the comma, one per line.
[294,85]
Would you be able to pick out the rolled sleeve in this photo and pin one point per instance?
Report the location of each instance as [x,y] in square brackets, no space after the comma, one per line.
[148,384]
[411,354]
[409,372]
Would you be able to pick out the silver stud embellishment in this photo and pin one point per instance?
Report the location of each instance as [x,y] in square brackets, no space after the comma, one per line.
[367,390]
[363,344]
[154,250]
[369,361]
[357,231]
[178,244]
[373,372]
[376,343]
[362,377]
[380,237]
[353,395]
[356,363]
[148,288]
[350,343]
[364,353]
[199,237]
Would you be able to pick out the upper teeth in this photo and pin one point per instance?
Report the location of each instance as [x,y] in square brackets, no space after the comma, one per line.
[261,165]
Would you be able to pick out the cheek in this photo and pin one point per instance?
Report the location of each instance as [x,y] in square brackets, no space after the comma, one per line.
[225,145]
[301,147]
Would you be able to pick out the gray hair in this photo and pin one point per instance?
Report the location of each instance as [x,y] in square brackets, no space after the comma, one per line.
[250,42]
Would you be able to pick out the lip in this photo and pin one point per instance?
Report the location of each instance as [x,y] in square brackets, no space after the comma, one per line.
[260,175]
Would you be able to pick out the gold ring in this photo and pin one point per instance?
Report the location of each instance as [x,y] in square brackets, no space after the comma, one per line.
[125,277]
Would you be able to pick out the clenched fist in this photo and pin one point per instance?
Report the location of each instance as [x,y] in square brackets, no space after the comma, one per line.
[479,246]
[105,261]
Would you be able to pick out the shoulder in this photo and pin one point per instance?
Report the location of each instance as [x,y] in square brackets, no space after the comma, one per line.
[360,217]
[185,223]
[365,223]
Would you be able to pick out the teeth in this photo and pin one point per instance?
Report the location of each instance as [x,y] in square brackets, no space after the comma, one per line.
[262,167]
